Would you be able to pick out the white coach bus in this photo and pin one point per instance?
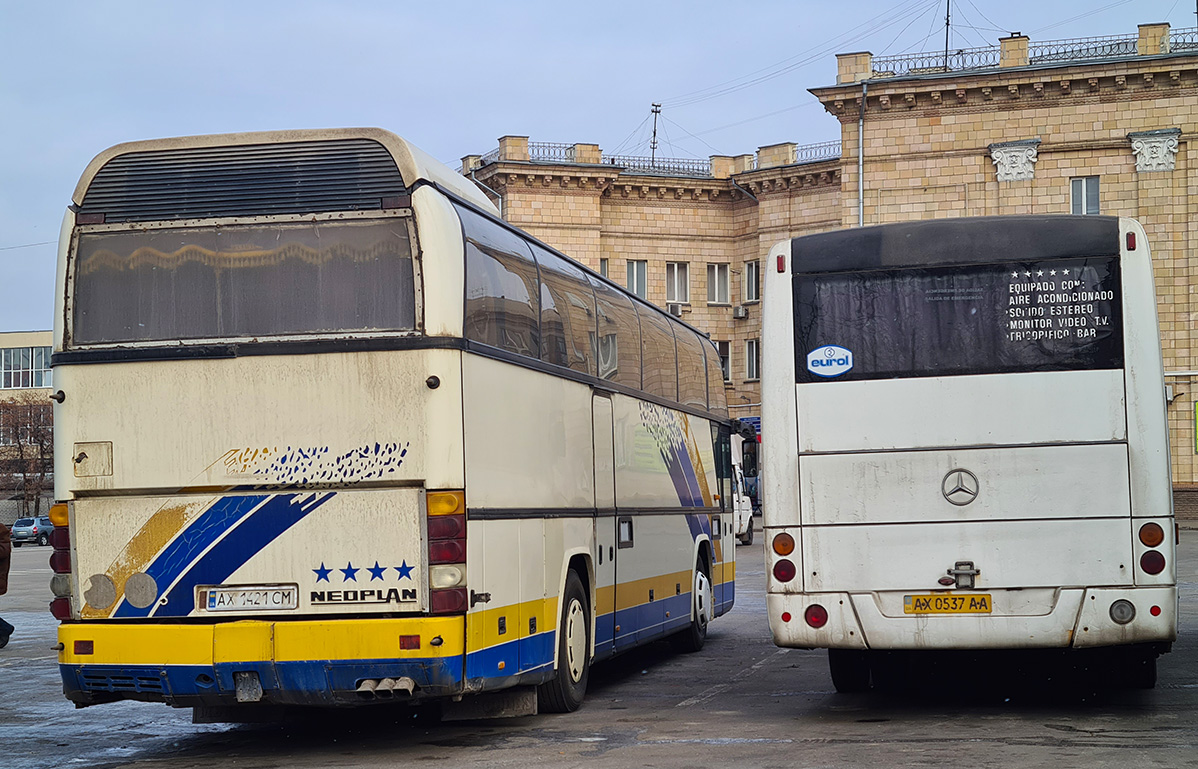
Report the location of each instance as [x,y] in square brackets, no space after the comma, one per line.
[330,432]
[967,444]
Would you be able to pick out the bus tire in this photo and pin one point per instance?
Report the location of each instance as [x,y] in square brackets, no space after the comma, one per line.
[564,692]
[702,601]
[849,669]
[747,538]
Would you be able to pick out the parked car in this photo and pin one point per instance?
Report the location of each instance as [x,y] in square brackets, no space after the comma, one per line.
[31,530]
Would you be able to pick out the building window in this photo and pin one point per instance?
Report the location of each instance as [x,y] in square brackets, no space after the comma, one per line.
[752,281]
[1084,195]
[752,359]
[637,269]
[717,284]
[725,362]
[22,367]
[603,266]
[677,282]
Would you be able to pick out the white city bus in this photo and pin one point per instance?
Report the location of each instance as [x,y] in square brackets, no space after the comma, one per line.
[330,432]
[967,444]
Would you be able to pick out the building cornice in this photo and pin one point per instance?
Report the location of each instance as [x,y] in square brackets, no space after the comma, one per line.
[1016,88]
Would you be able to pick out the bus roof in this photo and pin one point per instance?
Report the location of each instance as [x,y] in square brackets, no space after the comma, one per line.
[965,240]
[413,163]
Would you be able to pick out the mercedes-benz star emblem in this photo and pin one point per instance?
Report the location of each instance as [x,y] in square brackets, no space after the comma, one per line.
[960,487]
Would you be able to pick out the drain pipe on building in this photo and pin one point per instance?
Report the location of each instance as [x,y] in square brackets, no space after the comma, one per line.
[860,157]
[474,179]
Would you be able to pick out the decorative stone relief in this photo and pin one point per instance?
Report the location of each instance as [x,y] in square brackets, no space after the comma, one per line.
[1155,150]
[1015,161]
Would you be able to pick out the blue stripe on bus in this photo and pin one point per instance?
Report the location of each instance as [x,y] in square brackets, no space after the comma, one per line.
[259,529]
[192,541]
[312,682]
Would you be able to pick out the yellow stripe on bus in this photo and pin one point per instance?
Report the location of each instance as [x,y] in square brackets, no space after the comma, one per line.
[255,641]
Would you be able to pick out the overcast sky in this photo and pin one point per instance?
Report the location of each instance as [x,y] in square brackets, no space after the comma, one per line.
[452,77]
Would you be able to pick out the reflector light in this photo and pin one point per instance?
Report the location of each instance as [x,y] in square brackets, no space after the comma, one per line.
[1155,611]
[816,616]
[409,642]
[784,544]
[60,608]
[781,263]
[1152,562]
[1122,611]
[786,616]
[60,515]
[85,647]
[784,571]
[1131,241]
[89,218]
[1151,534]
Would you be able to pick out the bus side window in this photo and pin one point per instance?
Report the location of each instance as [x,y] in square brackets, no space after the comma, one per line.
[503,305]
[618,343]
[692,373]
[722,436]
[567,313]
[661,371]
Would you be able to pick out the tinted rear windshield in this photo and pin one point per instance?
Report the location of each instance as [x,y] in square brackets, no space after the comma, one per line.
[243,281]
[23,522]
[1049,315]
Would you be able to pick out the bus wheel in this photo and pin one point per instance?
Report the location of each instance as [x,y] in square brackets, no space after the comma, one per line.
[695,635]
[850,670]
[564,692]
[747,539]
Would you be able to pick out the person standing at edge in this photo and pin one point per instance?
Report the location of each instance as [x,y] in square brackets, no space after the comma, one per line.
[5,559]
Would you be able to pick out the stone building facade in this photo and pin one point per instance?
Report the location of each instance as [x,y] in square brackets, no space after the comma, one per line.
[1102,125]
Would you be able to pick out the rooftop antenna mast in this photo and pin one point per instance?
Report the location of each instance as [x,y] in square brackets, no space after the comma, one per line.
[948,4]
[653,143]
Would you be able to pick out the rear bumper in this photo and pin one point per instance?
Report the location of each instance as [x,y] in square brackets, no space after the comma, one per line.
[297,663]
[1076,618]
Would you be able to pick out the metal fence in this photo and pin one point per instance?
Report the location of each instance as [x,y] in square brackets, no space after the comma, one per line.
[813,153]
[925,63]
[664,166]
[551,152]
[1046,52]
[1082,48]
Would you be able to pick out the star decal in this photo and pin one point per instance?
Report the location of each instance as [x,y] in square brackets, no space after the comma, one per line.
[1014,275]
[376,572]
[1026,274]
[1040,273]
[1052,272]
[322,573]
[405,571]
[350,572]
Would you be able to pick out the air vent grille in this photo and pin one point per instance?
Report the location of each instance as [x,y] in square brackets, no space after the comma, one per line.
[200,182]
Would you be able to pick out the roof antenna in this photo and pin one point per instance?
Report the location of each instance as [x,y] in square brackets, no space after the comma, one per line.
[656,110]
[947,16]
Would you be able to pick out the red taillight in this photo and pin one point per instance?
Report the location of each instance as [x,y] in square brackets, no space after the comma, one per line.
[786,616]
[1131,241]
[446,526]
[816,616]
[781,263]
[409,642]
[60,538]
[60,608]
[784,570]
[85,647]
[1155,611]
[446,551]
[1152,562]
[448,601]
[60,561]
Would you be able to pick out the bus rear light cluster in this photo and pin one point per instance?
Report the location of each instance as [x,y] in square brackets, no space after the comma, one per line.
[446,551]
[60,561]
[1152,535]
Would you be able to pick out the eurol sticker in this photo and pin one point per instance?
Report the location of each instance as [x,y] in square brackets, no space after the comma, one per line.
[829,360]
